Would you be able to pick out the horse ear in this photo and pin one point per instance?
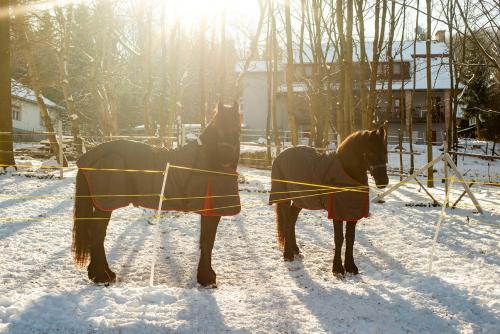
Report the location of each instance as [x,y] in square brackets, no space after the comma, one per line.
[382,131]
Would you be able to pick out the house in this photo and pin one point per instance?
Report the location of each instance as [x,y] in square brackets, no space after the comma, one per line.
[254,99]
[26,117]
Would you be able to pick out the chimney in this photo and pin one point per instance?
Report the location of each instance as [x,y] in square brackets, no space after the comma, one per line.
[440,36]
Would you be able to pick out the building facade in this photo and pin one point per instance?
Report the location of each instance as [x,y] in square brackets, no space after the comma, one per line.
[26,116]
[409,88]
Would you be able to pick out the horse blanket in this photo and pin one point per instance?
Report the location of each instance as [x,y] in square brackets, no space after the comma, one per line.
[123,172]
[299,173]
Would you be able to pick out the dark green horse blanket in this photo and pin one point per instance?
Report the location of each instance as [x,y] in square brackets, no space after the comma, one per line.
[298,174]
[123,172]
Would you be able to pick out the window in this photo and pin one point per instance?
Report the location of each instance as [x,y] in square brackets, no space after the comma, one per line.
[436,103]
[16,112]
[396,108]
[400,70]
[397,69]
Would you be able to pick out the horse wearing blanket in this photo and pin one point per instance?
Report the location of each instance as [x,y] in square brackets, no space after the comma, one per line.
[336,182]
[202,179]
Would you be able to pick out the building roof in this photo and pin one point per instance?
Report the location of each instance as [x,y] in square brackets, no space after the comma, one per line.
[437,49]
[24,93]
[440,77]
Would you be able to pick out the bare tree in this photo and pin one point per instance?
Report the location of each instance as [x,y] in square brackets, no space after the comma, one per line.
[275,51]
[377,50]
[6,145]
[290,74]
[430,171]
[65,23]
[363,60]
[23,31]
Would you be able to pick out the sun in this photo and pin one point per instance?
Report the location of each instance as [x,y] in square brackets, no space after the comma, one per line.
[191,12]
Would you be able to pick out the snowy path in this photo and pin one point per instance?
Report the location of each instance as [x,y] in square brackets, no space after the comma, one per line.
[41,291]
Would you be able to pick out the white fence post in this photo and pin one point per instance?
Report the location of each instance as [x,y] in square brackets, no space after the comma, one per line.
[157,234]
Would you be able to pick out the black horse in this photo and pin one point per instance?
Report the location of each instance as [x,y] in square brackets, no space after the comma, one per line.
[201,179]
[337,182]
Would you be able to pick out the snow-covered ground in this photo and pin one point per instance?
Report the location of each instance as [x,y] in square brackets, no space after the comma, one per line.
[42,292]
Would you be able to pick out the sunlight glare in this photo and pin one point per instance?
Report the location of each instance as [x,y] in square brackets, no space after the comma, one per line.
[191,12]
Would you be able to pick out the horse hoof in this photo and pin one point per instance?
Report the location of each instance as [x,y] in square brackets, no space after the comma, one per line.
[296,250]
[209,286]
[351,268]
[338,270]
[207,280]
[111,275]
[102,277]
[288,258]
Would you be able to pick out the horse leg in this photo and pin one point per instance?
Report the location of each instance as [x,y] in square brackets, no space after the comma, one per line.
[294,214]
[98,269]
[206,275]
[338,268]
[350,234]
[286,229]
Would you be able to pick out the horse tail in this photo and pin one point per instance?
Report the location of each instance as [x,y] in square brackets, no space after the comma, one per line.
[83,210]
[280,223]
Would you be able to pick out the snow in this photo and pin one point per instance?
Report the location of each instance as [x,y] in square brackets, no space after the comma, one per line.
[42,292]
[23,92]
[437,49]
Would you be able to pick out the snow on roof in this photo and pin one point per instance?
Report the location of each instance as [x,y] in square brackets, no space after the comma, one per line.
[440,77]
[22,92]
[437,49]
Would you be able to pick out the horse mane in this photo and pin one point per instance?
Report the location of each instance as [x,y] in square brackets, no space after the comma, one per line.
[355,138]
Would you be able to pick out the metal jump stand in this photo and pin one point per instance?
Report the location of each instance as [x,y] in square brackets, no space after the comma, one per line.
[446,159]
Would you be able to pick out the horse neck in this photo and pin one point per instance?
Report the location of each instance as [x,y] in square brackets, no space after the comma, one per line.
[352,161]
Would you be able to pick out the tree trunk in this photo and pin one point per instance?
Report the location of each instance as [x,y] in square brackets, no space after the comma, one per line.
[173,82]
[402,100]
[269,74]
[162,113]
[146,55]
[274,95]
[222,57]
[430,171]
[342,117]
[377,49]
[414,76]
[24,32]
[362,65]
[389,55]
[348,89]
[202,74]
[6,142]
[290,68]
[62,58]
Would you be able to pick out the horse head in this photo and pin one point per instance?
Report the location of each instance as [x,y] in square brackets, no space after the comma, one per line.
[375,156]
[221,137]
[366,150]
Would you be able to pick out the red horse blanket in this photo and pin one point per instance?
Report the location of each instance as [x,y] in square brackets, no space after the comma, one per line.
[299,173]
[122,172]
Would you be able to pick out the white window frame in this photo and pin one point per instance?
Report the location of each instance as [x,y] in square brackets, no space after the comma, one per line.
[16,112]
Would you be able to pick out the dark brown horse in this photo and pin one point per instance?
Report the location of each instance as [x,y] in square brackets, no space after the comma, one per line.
[119,173]
[337,182]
